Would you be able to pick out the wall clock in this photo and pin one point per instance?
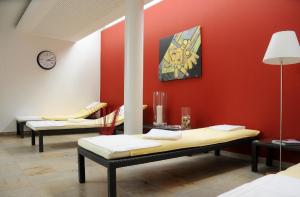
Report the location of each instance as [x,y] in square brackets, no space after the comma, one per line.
[46,60]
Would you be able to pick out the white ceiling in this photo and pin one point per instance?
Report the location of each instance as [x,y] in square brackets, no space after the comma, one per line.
[10,13]
[69,19]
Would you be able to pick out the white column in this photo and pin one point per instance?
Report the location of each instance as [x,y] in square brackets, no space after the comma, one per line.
[133,85]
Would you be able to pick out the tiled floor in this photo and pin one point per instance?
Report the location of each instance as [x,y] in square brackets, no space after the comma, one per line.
[26,172]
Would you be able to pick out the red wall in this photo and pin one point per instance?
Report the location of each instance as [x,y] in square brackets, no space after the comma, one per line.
[235,87]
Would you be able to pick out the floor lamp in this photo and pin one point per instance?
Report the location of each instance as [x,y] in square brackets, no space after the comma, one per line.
[283,49]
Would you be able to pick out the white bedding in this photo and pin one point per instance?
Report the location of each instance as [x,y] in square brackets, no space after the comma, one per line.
[28,118]
[274,185]
[57,125]
[46,123]
[120,143]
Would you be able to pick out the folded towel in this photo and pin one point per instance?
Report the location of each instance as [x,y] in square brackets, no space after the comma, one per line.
[49,123]
[120,143]
[160,134]
[226,127]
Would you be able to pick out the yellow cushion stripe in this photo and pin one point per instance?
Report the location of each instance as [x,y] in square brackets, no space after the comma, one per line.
[81,114]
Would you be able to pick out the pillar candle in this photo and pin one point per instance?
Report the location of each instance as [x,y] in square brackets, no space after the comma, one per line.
[159,114]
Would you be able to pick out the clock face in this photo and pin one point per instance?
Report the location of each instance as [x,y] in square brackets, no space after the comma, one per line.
[46,60]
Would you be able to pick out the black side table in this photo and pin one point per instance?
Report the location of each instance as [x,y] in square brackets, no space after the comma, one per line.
[257,144]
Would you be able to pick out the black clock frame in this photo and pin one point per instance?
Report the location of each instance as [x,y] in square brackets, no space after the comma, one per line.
[37,60]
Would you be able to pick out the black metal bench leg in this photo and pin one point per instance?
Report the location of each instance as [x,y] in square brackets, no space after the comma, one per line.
[18,128]
[21,128]
[111,178]
[32,138]
[81,168]
[217,152]
[41,143]
[254,157]
[269,159]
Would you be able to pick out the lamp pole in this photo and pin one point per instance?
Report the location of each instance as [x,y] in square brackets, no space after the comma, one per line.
[280,129]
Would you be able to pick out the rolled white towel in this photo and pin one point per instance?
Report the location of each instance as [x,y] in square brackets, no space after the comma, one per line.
[226,127]
[160,134]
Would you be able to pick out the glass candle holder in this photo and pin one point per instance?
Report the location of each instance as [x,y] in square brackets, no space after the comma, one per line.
[159,108]
[185,117]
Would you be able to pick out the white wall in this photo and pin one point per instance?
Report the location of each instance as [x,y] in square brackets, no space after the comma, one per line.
[26,89]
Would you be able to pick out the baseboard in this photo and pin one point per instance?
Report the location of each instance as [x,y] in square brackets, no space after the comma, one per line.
[6,133]
[260,159]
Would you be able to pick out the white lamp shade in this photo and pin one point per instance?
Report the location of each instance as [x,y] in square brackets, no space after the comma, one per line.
[283,49]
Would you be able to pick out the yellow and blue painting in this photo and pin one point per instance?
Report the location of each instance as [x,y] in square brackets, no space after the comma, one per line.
[180,55]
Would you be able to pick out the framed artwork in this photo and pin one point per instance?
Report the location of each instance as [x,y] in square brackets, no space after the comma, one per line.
[180,55]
